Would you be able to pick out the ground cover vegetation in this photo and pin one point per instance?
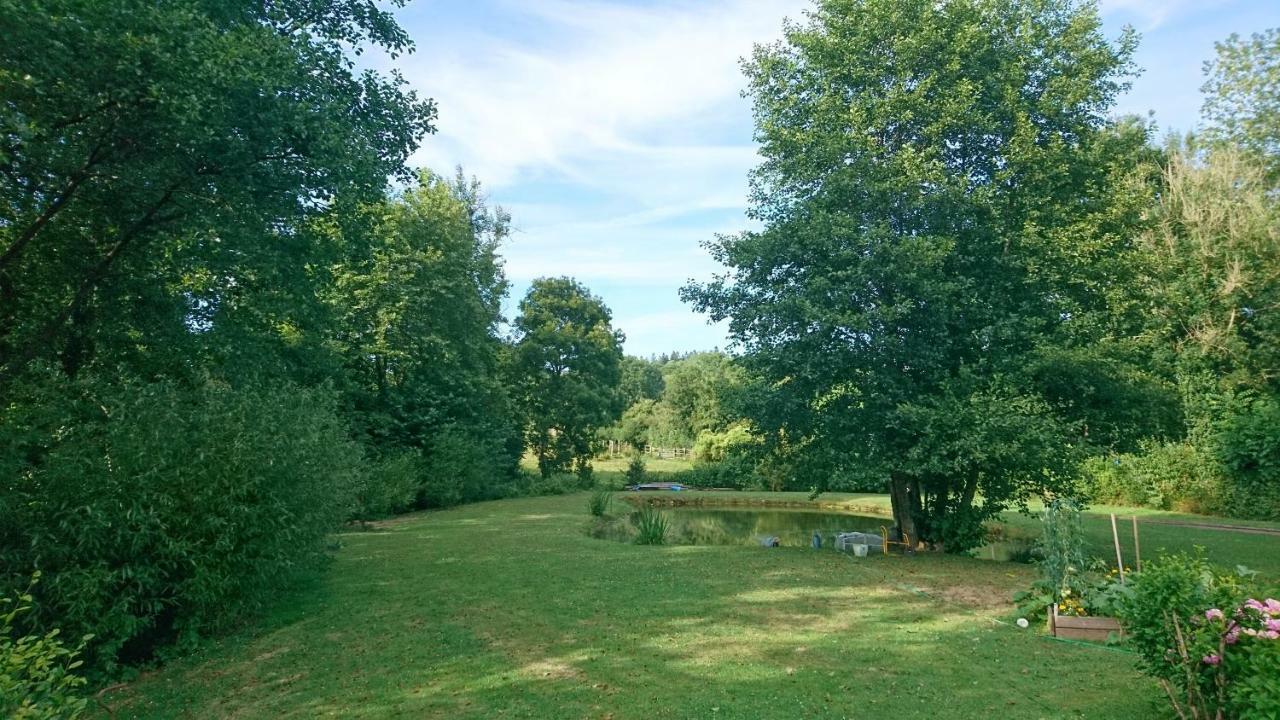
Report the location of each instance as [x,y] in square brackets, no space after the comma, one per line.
[234,321]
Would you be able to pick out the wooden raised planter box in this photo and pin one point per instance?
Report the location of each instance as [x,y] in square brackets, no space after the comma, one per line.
[1094,629]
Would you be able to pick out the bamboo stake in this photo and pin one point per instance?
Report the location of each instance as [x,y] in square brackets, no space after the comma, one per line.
[1137,550]
[1115,537]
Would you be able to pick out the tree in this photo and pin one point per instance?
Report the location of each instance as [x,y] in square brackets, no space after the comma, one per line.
[946,213]
[641,380]
[565,366]
[158,162]
[1242,97]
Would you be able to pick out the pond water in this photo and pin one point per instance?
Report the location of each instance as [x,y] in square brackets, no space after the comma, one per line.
[793,528]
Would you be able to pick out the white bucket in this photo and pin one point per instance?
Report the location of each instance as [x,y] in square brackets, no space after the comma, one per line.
[860,550]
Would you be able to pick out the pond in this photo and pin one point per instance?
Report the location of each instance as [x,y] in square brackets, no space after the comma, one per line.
[793,528]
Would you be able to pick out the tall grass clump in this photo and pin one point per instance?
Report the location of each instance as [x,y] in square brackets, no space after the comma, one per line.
[598,503]
[651,526]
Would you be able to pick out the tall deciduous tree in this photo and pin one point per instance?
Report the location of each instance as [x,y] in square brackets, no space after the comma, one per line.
[947,213]
[565,367]
[157,161]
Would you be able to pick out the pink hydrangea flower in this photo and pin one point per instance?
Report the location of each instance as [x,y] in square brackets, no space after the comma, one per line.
[1212,659]
[1254,605]
[1273,607]
[1270,634]
[1273,624]
[1213,614]
[1233,636]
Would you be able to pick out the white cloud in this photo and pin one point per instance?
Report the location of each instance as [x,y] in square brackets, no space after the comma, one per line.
[589,79]
[1148,15]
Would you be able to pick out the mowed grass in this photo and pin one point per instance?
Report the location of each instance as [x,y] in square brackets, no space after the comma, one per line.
[508,610]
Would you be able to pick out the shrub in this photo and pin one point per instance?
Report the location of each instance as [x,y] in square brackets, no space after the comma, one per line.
[161,512]
[1212,647]
[554,484]
[716,446]
[461,467]
[598,502]
[1167,476]
[1248,445]
[636,470]
[735,471]
[37,674]
[651,526]
[390,487]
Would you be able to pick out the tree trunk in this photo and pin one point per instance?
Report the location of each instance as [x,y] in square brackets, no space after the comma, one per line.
[904,494]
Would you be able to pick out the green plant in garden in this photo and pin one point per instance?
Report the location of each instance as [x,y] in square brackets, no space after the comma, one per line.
[598,502]
[37,673]
[651,526]
[1206,638]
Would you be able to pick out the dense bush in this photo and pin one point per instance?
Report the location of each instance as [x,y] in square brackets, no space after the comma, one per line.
[556,484]
[462,467]
[37,673]
[1205,637]
[735,471]
[159,512]
[390,486]
[716,446]
[1167,476]
[1248,445]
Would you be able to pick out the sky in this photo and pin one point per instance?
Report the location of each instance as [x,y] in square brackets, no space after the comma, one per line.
[616,134]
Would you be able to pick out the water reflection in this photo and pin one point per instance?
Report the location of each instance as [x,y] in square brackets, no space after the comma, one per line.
[793,528]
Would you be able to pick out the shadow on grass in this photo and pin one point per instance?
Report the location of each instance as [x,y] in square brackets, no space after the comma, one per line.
[540,621]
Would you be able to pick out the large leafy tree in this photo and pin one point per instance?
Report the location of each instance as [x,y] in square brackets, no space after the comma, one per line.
[565,368]
[937,291]
[158,161]
[416,305]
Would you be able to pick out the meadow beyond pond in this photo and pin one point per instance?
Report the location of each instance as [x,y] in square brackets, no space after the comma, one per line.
[508,609]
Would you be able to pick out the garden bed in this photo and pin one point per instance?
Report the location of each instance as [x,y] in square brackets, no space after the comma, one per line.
[1083,627]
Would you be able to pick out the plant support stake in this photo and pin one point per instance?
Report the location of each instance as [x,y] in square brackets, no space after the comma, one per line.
[1137,550]
[1115,537]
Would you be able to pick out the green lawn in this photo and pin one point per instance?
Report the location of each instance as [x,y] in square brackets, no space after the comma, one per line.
[507,610]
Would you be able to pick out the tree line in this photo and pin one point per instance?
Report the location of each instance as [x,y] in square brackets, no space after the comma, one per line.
[233,318]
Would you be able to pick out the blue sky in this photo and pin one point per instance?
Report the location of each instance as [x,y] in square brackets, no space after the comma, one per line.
[616,135]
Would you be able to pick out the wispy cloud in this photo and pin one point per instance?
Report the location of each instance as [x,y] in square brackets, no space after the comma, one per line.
[587,79]
[1148,15]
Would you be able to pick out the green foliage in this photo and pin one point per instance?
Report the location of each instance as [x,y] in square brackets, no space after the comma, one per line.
[1061,544]
[635,470]
[159,513]
[1198,632]
[565,368]
[651,525]
[37,673]
[1167,476]
[416,303]
[641,380]
[1242,96]
[716,446]
[390,486]
[598,502]
[461,467]
[161,162]
[1248,445]
[946,207]
[554,484]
